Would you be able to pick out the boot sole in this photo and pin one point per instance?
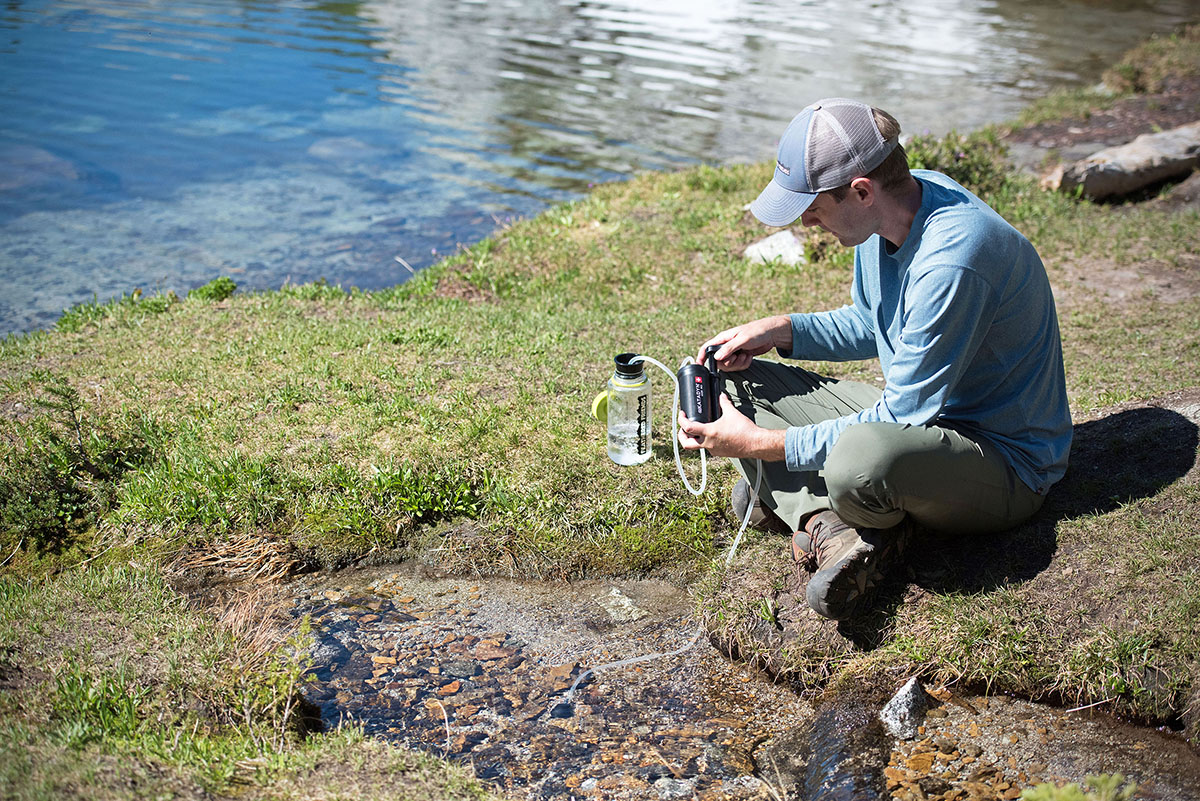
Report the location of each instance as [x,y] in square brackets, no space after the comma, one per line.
[839,590]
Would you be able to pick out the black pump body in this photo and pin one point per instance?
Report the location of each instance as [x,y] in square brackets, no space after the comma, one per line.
[698,391]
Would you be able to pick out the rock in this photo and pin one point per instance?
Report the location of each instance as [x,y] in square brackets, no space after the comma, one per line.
[487,650]
[461,668]
[783,758]
[1186,194]
[746,787]
[903,714]
[343,149]
[783,247]
[675,788]
[620,607]
[25,165]
[1147,160]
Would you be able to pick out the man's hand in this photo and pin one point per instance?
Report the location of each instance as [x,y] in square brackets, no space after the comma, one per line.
[740,345]
[732,434]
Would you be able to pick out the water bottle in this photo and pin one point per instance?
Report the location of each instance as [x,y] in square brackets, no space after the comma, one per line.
[628,412]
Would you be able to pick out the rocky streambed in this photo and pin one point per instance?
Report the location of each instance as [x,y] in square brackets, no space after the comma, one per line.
[477,670]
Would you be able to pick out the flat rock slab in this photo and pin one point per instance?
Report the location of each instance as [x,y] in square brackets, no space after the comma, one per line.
[1124,169]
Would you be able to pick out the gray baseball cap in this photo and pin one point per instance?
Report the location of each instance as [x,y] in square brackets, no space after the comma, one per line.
[827,145]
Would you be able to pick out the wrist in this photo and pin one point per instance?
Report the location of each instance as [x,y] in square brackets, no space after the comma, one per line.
[770,445]
[783,333]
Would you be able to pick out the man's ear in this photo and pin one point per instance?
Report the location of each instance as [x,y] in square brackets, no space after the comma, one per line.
[864,190]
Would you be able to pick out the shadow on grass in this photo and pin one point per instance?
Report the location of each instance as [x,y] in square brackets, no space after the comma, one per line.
[1128,455]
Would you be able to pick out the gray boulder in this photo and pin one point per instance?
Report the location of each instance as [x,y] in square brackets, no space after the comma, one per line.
[903,714]
[1124,169]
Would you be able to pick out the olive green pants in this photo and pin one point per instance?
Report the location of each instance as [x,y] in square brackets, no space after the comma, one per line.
[876,473]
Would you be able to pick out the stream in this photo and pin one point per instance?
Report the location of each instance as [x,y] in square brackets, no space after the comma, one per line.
[476,670]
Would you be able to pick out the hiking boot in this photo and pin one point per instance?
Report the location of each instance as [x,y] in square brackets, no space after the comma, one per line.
[761,516]
[849,563]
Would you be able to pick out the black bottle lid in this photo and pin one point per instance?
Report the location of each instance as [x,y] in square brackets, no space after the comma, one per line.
[626,367]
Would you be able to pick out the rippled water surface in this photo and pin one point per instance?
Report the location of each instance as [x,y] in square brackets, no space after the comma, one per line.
[159,144]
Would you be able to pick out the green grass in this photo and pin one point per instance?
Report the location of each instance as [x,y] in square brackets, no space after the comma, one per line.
[156,689]
[446,420]
[345,421]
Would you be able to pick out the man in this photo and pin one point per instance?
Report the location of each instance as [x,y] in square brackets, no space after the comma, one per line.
[972,426]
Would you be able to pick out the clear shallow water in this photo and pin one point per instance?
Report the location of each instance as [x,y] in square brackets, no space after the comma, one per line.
[157,144]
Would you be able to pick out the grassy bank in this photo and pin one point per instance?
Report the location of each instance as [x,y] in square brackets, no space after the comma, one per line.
[447,420]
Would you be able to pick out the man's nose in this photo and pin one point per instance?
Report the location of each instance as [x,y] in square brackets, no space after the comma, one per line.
[808,219]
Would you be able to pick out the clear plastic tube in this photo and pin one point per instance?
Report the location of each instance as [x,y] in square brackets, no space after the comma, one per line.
[569,697]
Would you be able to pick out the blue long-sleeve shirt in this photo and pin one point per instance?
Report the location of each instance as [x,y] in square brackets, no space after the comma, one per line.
[962,319]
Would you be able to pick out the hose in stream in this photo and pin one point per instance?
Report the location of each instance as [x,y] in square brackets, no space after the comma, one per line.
[564,707]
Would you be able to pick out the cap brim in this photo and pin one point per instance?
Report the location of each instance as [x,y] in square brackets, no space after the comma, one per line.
[779,206]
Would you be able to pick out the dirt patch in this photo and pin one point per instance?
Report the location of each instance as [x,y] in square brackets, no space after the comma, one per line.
[455,287]
[1038,146]
[1081,279]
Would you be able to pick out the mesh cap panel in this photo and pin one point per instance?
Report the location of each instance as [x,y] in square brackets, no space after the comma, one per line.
[844,144]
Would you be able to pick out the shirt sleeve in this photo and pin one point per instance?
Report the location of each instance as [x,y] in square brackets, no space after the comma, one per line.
[947,311]
[833,336]
[836,336]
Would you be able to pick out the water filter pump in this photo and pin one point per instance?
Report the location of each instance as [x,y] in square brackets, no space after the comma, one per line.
[698,392]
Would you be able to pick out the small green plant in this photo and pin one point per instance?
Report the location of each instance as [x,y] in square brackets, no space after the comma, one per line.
[95,708]
[1104,787]
[214,291]
[319,290]
[976,160]
[60,469]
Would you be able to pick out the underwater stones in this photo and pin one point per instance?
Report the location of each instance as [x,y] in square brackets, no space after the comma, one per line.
[783,758]
[461,668]
[479,692]
[343,149]
[675,788]
[620,607]
[487,651]
[25,165]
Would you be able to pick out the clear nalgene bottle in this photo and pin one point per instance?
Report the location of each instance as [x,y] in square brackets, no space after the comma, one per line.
[628,412]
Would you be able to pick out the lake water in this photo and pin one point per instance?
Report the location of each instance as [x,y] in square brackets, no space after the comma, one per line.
[155,144]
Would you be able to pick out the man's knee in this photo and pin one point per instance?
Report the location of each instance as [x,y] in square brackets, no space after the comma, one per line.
[863,459]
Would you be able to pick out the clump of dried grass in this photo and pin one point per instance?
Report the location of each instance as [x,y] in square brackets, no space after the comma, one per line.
[244,556]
